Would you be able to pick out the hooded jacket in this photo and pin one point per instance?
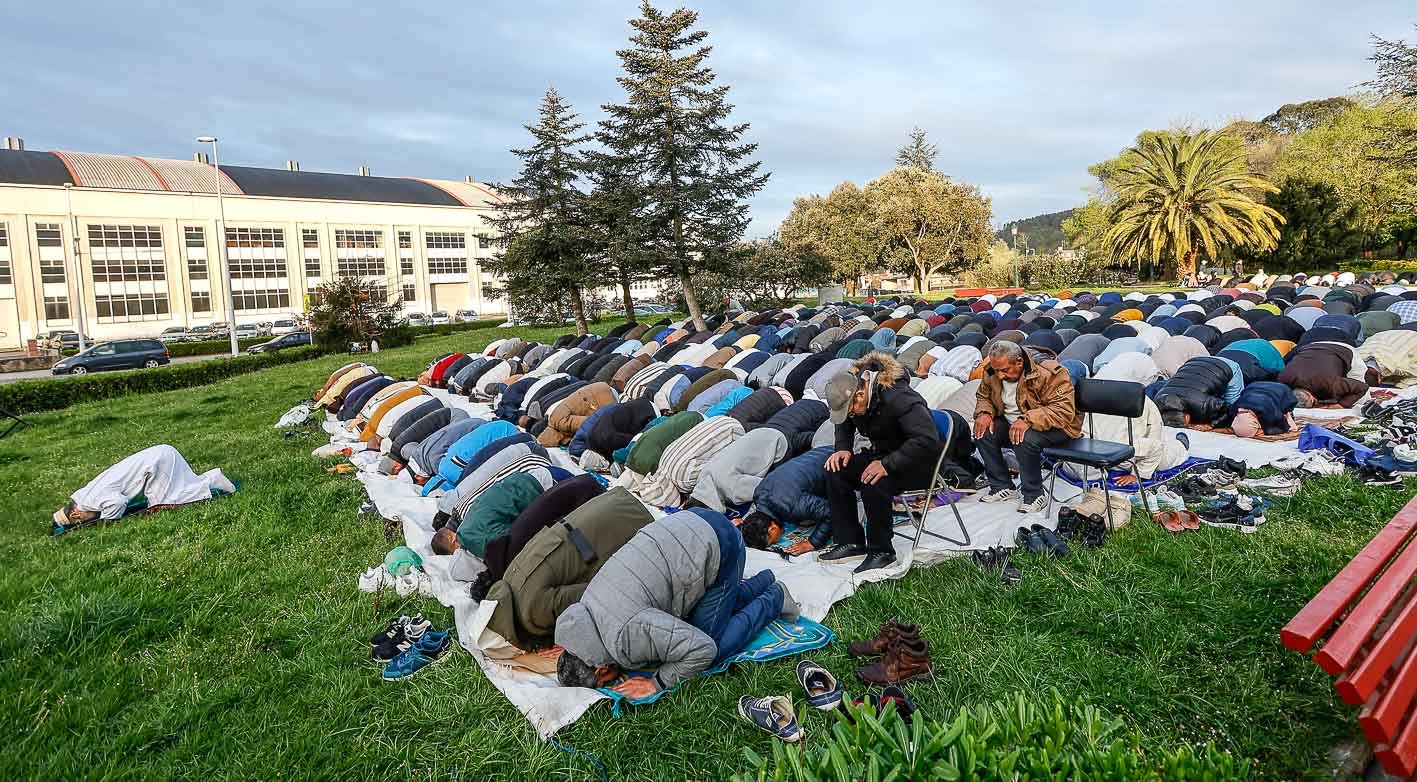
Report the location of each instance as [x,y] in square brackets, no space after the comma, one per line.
[1321,368]
[633,612]
[1198,388]
[552,570]
[646,452]
[550,507]
[795,492]
[798,422]
[896,421]
[492,513]
[1046,398]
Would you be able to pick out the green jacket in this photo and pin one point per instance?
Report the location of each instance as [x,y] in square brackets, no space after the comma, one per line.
[552,571]
[492,513]
[645,453]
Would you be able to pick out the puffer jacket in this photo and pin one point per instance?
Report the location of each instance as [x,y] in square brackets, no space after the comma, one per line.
[755,409]
[798,422]
[566,417]
[1198,388]
[796,493]
[633,612]
[896,421]
[492,513]
[428,454]
[627,371]
[618,425]
[508,405]
[415,433]
[646,452]
[456,457]
[1270,402]
[550,571]
[457,384]
[731,475]
[1046,398]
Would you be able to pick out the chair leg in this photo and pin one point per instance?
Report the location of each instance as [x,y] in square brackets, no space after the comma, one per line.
[1107,494]
[1141,487]
[1052,489]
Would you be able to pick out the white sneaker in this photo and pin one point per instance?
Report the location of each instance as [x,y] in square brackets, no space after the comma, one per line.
[1278,485]
[406,584]
[1036,505]
[374,579]
[1000,495]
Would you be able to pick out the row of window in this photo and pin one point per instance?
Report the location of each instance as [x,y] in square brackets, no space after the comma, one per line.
[5,274]
[125,236]
[447,266]
[261,300]
[131,306]
[255,237]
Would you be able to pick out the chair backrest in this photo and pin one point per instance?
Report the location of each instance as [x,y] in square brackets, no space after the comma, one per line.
[1111,397]
[944,426]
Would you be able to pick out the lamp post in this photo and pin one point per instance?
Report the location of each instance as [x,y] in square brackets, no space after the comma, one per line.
[1014,230]
[221,243]
[78,266]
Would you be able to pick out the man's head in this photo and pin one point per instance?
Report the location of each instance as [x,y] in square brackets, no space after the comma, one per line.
[1246,424]
[1006,359]
[847,395]
[1304,398]
[445,542]
[73,514]
[572,671]
[1173,412]
[760,530]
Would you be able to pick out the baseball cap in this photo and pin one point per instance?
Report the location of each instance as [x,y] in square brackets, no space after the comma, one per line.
[840,389]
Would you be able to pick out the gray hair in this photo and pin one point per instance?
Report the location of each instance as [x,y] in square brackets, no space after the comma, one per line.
[1005,349]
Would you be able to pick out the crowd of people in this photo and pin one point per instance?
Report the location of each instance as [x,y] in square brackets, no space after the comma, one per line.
[808,418]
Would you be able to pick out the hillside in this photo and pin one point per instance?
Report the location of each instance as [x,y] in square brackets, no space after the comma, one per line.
[1045,232]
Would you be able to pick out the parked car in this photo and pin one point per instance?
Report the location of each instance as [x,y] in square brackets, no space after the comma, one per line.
[288,340]
[173,334]
[118,354]
[64,340]
[247,330]
[439,318]
[263,329]
[283,326]
[200,333]
[417,319]
[464,316]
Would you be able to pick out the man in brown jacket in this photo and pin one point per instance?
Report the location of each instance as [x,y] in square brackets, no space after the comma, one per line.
[566,416]
[1026,403]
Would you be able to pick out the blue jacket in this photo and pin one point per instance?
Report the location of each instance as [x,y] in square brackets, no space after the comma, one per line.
[795,492]
[722,406]
[577,445]
[1270,402]
[509,407]
[450,469]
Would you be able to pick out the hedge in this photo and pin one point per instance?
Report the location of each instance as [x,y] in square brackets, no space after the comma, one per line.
[453,328]
[35,396]
[209,347]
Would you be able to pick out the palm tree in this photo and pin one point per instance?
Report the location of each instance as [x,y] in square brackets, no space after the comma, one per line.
[1182,194]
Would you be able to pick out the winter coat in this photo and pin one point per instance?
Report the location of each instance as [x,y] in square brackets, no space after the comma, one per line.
[762,376]
[1046,398]
[646,452]
[731,475]
[701,385]
[492,464]
[683,460]
[390,403]
[618,425]
[406,441]
[339,382]
[896,421]
[509,403]
[565,418]
[540,408]
[712,396]
[446,369]
[351,401]
[627,371]
[796,380]
[756,408]
[550,572]
[634,611]
[1270,402]
[456,457]
[1198,388]
[335,378]
[492,513]
[1322,369]
[795,492]
[426,456]
[817,383]
[407,414]
[798,422]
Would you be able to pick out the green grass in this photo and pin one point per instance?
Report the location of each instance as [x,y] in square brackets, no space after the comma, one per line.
[227,639]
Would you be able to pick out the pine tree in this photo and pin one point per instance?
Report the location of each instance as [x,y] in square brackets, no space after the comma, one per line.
[918,153]
[612,217]
[543,211]
[689,162]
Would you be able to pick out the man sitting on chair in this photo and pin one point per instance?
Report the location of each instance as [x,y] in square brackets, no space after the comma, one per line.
[1026,403]
[875,399]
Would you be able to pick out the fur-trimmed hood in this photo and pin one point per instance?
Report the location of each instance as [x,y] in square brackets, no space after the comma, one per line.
[888,370]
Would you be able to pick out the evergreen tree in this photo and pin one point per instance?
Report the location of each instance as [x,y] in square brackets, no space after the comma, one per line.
[543,211]
[918,152]
[612,217]
[689,161]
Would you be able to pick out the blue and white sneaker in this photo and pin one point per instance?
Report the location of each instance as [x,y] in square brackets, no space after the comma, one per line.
[772,713]
[424,652]
[823,690]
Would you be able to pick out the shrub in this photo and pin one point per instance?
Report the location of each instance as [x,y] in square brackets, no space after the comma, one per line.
[349,310]
[34,396]
[454,328]
[208,347]
[1015,738]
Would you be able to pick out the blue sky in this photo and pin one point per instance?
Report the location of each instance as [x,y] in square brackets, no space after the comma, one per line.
[1021,97]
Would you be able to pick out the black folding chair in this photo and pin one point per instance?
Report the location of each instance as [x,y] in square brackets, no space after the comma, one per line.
[1102,397]
[944,425]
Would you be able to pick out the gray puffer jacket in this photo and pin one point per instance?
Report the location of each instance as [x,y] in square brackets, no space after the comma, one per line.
[633,611]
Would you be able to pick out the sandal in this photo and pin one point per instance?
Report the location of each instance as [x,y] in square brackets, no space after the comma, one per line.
[1169,520]
[1189,519]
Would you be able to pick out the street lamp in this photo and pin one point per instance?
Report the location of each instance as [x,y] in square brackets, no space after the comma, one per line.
[1014,230]
[78,265]
[221,243]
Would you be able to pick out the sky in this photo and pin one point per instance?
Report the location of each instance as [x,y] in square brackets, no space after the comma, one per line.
[1021,97]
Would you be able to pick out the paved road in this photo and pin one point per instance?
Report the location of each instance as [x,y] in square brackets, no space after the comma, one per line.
[11,377]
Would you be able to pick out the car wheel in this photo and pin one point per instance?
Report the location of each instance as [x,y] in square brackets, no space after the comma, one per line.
[79,371]
[151,363]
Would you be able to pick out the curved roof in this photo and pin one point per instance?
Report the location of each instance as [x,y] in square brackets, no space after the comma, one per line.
[127,172]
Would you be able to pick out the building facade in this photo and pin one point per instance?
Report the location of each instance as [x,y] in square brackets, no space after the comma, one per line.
[129,246]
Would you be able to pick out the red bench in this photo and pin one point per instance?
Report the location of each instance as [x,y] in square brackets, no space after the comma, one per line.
[1368,613]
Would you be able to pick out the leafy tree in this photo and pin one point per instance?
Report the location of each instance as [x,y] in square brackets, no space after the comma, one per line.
[761,274]
[1187,194]
[918,152]
[1086,227]
[350,309]
[1317,227]
[533,295]
[613,221]
[836,229]
[1292,118]
[1397,82]
[690,162]
[1044,232]
[927,224]
[542,210]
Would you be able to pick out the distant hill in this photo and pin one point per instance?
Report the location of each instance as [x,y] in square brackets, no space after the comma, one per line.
[1045,232]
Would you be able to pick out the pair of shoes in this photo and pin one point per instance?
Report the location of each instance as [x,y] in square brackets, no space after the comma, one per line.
[999,495]
[413,581]
[426,650]
[845,553]
[889,695]
[1038,539]
[1165,499]
[1278,485]
[996,560]
[1091,531]
[1192,488]
[905,655]
[1376,476]
[1235,513]
[1233,466]
[374,579]
[1036,505]
[774,714]
[400,635]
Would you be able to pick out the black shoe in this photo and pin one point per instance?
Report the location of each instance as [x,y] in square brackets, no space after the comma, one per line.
[1029,540]
[842,552]
[1011,574]
[1070,524]
[1094,533]
[1051,541]
[394,631]
[1232,465]
[1373,476]
[876,559]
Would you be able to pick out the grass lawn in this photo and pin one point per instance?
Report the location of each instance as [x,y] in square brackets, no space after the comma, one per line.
[228,638]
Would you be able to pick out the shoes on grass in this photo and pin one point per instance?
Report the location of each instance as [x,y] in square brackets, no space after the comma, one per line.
[822,688]
[1234,466]
[772,713]
[1277,485]
[398,637]
[429,647]
[374,579]
[996,560]
[889,633]
[904,660]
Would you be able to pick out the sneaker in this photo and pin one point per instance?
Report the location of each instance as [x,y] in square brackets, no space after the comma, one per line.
[1278,485]
[999,495]
[394,631]
[433,643]
[1036,505]
[407,664]
[895,695]
[374,579]
[842,552]
[822,688]
[772,713]
[1234,466]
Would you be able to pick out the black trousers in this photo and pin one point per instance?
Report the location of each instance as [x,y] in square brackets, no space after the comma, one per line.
[1029,454]
[842,488]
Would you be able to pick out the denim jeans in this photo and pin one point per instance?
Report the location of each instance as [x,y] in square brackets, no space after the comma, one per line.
[733,611]
[1029,454]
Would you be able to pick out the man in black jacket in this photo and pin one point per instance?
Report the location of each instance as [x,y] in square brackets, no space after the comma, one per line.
[876,400]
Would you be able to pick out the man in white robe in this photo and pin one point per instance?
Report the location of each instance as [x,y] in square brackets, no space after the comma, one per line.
[159,474]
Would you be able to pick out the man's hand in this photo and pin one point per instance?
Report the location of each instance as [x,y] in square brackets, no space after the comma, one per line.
[550,652]
[636,687]
[1018,430]
[838,460]
[982,424]
[1126,480]
[800,547]
[873,473]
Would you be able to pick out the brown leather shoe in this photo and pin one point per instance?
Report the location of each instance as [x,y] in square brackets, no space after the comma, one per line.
[889,633]
[904,660]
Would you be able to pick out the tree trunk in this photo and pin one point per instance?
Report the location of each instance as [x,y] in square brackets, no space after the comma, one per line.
[578,310]
[691,300]
[851,286]
[1186,265]
[625,296]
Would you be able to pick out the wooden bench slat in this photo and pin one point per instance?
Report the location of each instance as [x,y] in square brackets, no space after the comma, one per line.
[1381,718]
[1342,648]
[1316,617]
[1359,683]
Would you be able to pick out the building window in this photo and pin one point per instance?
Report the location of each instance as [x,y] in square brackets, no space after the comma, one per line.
[56,308]
[405,240]
[447,266]
[201,301]
[379,292]
[47,235]
[131,306]
[409,294]
[484,242]
[447,252]
[360,253]
[310,238]
[312,267]
[126,253]
[406,266]
[6,275]
[195,238]
[51,261]
[312,296]
[278,298]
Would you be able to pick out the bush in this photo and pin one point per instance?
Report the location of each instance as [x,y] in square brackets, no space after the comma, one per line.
[448,329]
[1375,265]
[34,396]
[1015,738]
[208,347]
